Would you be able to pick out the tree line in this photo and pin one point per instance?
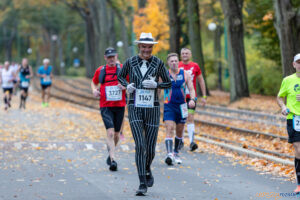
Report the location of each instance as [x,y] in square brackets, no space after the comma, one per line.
[54,28]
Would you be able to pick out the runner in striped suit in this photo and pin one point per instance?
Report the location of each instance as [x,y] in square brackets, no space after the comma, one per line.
[144,71]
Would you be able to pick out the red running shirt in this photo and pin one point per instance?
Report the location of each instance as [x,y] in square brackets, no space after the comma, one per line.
[194,70]
[110,80]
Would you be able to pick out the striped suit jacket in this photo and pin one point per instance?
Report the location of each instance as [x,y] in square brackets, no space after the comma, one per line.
[155,70]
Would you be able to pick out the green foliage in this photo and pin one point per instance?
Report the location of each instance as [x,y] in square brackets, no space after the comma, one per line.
[72,71]
[264,75]
[211,81]
[259,24]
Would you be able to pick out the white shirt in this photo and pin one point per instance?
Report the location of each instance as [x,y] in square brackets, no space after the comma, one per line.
[7,77]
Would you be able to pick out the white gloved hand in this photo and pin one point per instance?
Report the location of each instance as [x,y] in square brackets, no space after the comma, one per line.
[149,84]
[130,88]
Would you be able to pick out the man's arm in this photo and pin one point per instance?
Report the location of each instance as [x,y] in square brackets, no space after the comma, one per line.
[39,74]
[203,88]
[189,82]
[190,85]
[31,72]
[95,90]
[166,81]
[280,101]
[123,74]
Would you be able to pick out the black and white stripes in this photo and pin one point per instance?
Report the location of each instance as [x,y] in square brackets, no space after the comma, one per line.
[144,122]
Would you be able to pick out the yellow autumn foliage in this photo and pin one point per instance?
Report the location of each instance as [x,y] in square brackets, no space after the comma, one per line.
[154,18]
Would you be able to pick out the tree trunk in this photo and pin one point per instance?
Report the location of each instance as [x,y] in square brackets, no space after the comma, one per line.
[93,51]
[112,30]
[60,57]
[195,35]
[124,31]
[92,47]
[217,54]
[9,36]
[232,10]
[142,3]
[102,23]
[288,33]
[175,26]
[125,38]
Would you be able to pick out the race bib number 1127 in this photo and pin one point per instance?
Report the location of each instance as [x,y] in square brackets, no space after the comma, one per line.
[113,93]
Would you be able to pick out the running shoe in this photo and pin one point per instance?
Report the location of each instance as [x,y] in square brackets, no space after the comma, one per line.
[149,179]
[113,166]
[142,190]
[193,146]
[108,161]
[177,158]
[181,145]
[169,159]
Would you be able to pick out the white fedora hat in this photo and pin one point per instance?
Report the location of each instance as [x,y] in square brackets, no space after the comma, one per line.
[146,38]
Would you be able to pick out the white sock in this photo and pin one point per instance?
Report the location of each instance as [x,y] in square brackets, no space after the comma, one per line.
[191,130]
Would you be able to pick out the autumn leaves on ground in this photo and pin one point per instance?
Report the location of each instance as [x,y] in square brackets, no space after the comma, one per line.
[53,124]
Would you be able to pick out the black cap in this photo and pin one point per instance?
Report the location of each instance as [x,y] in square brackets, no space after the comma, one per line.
[110,52]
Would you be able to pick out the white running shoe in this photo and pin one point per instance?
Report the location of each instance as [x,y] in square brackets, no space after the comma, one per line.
[177,158]
[169,159]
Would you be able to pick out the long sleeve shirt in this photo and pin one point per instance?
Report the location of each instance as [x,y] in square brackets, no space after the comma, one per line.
[156,69]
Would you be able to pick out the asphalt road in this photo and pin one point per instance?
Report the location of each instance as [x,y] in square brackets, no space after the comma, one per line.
[61,168]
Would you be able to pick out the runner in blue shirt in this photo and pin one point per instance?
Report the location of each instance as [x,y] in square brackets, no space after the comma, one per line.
[176,108]
[45,74]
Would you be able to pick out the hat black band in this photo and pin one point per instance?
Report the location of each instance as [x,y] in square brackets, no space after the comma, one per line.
[146,39]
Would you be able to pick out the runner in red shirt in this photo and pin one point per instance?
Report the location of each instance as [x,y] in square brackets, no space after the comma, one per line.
[112,101]
[194,70]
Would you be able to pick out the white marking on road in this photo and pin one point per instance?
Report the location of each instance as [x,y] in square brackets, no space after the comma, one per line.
[52,146]
[69,146]
[35,145]
[18,145]
[89,147]
[124,147]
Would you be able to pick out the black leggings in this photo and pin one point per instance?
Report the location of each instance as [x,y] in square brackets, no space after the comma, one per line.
[144,124]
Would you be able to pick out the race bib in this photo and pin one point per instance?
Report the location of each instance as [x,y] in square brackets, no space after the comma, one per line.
[296,122]
[47,79]
[184,110]
[113,93]
[24,84]
[144,98]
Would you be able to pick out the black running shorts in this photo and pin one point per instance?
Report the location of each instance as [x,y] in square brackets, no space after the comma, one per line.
[10,90]
[112,117]
[294,136]
[44,87]
[24,88]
